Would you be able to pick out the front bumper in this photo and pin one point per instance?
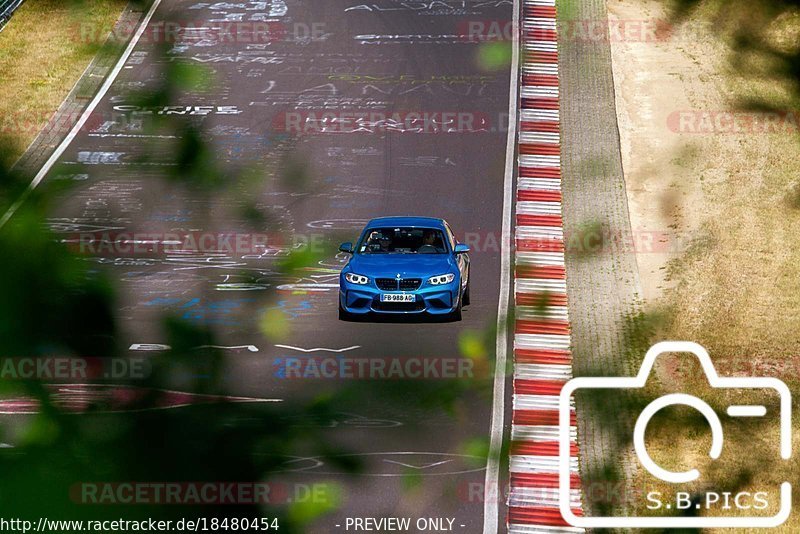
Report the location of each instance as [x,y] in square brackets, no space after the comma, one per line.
[363,299]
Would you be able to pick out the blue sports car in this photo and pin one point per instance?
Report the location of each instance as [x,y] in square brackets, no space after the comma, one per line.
[405,265]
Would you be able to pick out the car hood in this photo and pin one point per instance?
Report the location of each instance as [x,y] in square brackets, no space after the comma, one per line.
[407,265]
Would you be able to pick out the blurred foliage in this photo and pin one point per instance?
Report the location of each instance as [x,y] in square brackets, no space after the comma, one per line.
[494,55]
[762,36]
[54,302]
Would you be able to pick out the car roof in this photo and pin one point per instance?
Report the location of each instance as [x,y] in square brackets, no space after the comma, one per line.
[428,222]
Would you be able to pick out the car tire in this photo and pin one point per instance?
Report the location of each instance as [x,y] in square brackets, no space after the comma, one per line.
[465,298]
[455,315]
[344,315]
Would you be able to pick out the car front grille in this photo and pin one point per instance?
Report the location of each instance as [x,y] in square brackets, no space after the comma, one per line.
[395,284]
[387,284]
[410,284]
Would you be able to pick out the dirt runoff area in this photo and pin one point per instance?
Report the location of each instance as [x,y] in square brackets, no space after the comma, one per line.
[713,188]
[715,193]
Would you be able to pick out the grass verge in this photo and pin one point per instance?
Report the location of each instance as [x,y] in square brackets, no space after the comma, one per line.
[42,55]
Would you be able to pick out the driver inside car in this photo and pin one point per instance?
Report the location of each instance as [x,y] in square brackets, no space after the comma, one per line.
[430,243]
[378,242]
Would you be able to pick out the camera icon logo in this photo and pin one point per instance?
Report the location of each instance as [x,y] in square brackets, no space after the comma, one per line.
[715,381]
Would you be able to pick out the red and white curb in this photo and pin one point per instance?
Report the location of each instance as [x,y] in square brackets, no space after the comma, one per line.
[542,358]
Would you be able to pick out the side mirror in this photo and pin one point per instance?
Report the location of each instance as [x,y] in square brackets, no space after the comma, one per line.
[346,247]
[461,248]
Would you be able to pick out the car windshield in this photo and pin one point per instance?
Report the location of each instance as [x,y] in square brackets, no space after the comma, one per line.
[402,240]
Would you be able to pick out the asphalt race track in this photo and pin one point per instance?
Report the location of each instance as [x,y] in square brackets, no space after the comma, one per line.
[279,119]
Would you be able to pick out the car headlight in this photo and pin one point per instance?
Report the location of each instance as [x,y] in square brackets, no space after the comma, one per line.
[354,278]
[441,279]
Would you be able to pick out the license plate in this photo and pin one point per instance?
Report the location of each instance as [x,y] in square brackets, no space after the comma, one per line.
[397,297]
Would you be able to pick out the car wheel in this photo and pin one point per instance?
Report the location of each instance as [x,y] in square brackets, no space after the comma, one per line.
[465,298]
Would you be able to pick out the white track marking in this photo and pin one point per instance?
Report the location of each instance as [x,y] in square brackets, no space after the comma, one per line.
[426,466]
[307,287]
[71,388]
[541,529]
[84,116]
[492,501]
[160,347]
[318,349]
[149,346]
[251,348]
